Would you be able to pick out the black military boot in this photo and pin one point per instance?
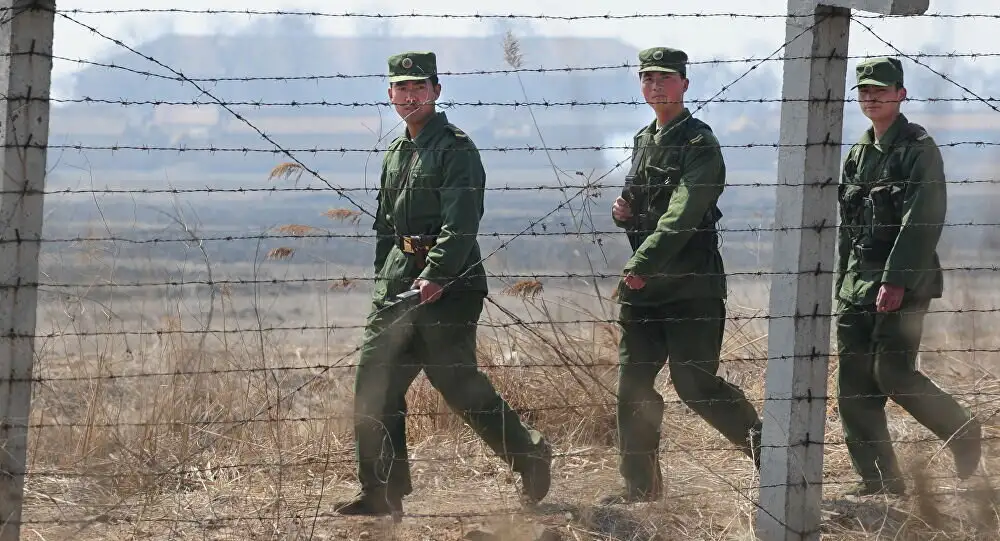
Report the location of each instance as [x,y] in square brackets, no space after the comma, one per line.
[372,504]
[967,450]
[642,487]
[895,487]
[631,496]
[536,474]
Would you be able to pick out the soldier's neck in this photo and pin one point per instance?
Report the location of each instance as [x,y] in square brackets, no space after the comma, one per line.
[665,114]
[414,127]
[879,127]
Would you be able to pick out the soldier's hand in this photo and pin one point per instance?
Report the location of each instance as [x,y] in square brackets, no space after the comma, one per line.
[621,210]
[429,291]
[889,299]
[634,282]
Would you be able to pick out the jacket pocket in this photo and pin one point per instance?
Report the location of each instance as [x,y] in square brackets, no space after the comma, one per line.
[662,181]
[396,276]
[885,213]
[850,197]
[851,210]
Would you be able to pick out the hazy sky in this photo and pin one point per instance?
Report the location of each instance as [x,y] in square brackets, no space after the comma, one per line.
[703,38]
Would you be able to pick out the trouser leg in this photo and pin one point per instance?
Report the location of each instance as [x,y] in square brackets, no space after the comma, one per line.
[861,401]
[897,342]
[395,422]
[447,342]
[878,358]
[385,371]
[694,334]
[642,353]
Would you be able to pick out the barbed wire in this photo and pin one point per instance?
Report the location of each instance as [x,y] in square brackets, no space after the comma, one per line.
[754,184]
[484,234]
[306,463]
[534,365]
[501,149]
[119,423]
[445,104]
[329,461]
[219,102]
[271,406]
[348,279]
[509,16]
[932,70]
[505,188]
[215,426]
[501,71]
[483,324]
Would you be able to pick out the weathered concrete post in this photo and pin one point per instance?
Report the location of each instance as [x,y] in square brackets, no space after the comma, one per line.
[25,73]
[801,301]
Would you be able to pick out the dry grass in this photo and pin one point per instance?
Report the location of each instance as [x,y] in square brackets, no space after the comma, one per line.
[344,215]
[250,438]
[280,253]
[286,171]
[343,284]
[297,230]
[526,289]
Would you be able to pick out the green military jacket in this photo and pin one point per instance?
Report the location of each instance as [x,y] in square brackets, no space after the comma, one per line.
[430,185]
[893,202]
[673,189]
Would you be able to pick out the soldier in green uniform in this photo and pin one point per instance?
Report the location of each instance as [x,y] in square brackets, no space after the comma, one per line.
[892,209]
[673,294]
[429,207]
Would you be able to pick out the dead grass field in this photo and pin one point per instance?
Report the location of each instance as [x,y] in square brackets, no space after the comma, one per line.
[244,433]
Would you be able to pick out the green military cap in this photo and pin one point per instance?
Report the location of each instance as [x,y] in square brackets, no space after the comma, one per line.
[412,66]
[663,59]
[880,71]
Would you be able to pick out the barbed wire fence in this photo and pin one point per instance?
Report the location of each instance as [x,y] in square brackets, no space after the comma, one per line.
[192,364]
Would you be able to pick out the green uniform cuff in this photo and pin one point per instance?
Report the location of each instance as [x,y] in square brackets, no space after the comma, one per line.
[895,278]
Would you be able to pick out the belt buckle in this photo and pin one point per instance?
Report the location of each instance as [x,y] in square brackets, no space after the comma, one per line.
[408,245]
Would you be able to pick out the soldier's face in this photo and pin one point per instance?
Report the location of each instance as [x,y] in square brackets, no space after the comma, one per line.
[663,89]
[880,102]
[414,100]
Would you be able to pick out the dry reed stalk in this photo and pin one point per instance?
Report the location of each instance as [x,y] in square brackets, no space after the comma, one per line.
[348,215]
[281,253]
[342,284]
[285,171]
[525,289]
[297,230]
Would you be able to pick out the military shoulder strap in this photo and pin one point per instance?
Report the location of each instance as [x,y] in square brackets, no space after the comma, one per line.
[693,134]
[395,143]
[456,131]
[916,132]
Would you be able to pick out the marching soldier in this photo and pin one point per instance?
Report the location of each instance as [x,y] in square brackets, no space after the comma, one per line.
[893,202]
[429,207]
[673,294]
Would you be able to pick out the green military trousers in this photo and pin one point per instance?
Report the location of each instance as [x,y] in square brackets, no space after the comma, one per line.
[878,353]
[689,334]
[439,338]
